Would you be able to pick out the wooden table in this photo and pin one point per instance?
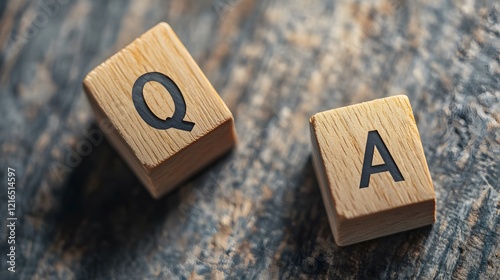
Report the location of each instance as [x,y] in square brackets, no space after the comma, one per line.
[256,213]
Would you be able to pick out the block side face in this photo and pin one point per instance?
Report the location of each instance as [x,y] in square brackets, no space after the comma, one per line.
[158,50]
[342,137]
[120,145]
[177,169]
[388,222]
[324,185]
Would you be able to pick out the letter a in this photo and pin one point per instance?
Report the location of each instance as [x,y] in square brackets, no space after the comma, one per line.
[374,140]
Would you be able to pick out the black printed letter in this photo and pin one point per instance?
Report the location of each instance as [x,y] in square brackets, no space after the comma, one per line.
[374,140]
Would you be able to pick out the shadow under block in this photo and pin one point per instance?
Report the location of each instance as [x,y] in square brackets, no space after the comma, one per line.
[372,170]
[168,122]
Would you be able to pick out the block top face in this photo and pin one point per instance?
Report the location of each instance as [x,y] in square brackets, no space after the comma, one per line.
[175,88]
[342,136]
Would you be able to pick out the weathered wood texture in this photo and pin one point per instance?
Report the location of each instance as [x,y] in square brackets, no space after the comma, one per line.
[256,213]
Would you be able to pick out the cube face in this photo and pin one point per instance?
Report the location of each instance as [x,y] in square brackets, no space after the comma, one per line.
[161,104]
[372,169]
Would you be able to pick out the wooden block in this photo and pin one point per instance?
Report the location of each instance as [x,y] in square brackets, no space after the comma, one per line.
[372,170]
[170,122]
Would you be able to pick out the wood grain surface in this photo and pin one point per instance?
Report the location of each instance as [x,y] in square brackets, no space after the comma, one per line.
[386,204]
[257,213]
[162,157]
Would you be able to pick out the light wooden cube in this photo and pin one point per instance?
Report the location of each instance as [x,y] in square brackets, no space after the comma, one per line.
[372,170]
[169,121]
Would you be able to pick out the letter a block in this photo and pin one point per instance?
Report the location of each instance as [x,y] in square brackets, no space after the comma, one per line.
[372,170]
[168,122]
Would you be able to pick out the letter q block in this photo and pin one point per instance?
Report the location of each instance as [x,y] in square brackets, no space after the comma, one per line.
[372,170]
[169,121]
